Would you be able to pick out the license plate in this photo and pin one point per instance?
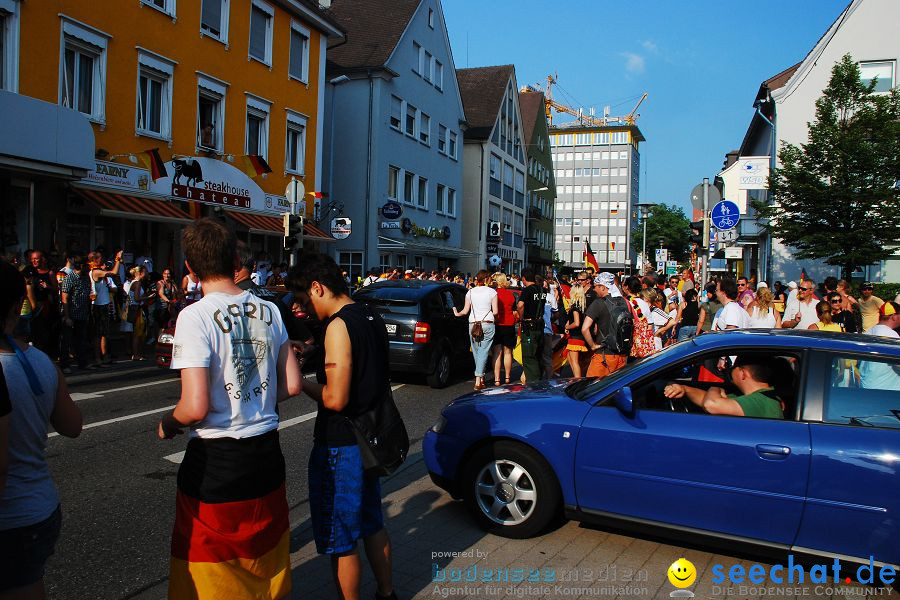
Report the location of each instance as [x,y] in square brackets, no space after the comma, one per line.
[391,328]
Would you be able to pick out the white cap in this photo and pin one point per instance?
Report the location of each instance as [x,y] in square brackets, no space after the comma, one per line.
[761,284]
[792,285]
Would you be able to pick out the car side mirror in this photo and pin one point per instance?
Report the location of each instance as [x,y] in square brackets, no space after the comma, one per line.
[623,400]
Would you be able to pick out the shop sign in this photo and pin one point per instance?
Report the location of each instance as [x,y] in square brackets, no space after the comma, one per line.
[212,181]
[119,175]
[753,173]
[390,224]
[437,233]
[341,228]
[391,210]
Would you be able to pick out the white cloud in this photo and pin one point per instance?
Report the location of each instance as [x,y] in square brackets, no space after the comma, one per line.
[634,63]
[650,46]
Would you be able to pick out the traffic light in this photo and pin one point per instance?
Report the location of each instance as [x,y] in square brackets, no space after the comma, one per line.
[700,233]
[293,231]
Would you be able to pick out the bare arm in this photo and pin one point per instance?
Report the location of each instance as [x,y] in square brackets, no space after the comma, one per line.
[465,309]
[701,319]
[586,332]
[192,407]
[290,382]
[715,402]
[495,306]
[338,365]
[677,390]
[66,416]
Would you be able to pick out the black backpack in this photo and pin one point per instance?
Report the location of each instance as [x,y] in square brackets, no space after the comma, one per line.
[621,327]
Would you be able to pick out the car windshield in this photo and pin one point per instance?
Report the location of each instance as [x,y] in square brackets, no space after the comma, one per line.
[390,296]
[586,388]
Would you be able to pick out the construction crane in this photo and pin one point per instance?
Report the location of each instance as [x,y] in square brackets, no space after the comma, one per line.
[605,121]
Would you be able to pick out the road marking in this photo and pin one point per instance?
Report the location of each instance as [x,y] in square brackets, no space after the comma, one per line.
[117,419]
[76,396]
[179,456]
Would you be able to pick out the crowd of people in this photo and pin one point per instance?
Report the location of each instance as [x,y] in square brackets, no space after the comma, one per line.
[584,317]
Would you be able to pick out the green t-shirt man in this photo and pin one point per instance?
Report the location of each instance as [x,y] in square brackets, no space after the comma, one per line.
[758,404]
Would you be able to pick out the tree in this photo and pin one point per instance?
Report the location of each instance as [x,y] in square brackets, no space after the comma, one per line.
[669,224]
[836,197]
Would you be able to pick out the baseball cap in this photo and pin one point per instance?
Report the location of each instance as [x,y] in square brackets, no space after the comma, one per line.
[889,308]
[868,285]
[605,278]
[792,285]
[762,284]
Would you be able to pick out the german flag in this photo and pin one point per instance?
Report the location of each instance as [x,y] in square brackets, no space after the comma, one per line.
[154,163]
[589,259]
[231,535]
[254,165]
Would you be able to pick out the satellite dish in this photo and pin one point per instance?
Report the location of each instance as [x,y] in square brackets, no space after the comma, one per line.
[495,261]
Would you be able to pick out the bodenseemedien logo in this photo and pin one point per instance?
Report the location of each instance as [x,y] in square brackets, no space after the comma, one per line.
[682,574]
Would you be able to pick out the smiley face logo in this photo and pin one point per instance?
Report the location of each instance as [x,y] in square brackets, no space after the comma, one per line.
[682,573]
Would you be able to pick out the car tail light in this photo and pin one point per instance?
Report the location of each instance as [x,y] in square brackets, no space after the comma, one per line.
[422,334]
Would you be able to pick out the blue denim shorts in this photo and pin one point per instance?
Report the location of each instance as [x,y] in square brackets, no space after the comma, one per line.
[24,551]
[345,504]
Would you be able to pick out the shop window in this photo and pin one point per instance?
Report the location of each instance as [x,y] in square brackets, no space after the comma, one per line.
[418,261]
[210,113]
[154,96]
[9,46]
[261,17]
[384,260]
[214,19]
[295,154]
[424,129]
[299,59]
[257,134]
[352,263]
[402,261]
[83,70]
[422,195]
[166,6]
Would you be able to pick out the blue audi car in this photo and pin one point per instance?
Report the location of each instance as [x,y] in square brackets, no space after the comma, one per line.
[823,480]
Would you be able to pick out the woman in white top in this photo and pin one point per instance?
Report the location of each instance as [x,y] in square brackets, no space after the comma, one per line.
[481,306]
[191,289]
[762,311]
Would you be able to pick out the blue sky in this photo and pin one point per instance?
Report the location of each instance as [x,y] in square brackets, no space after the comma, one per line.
[701,62]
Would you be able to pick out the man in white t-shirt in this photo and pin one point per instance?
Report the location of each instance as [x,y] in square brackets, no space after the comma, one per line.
[880,375]
[236,363]
[802,314]
[732,315]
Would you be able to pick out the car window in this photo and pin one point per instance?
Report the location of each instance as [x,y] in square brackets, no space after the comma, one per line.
[863,392]
[713,372]
[431,305]
[447,299]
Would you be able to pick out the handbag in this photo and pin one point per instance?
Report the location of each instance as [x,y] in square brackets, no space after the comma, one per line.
[133,311]
[381,436]
[477,331]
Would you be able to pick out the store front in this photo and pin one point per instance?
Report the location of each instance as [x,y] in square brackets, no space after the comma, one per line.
[403,254]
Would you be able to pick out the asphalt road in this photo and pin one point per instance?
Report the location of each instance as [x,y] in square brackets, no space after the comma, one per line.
[117,480]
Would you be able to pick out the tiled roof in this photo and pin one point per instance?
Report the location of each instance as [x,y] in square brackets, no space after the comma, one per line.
[324,14]
[779,80]
[532,106]
[482,90]
[373,27]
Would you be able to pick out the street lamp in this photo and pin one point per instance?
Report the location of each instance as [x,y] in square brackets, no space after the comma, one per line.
[645,207]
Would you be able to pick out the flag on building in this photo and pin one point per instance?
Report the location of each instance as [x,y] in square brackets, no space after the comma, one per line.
[612,245]
[589,259]
[317,194]
[154,163]
[253,165]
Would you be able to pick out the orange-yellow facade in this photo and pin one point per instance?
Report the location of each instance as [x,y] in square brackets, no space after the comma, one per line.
[136,26]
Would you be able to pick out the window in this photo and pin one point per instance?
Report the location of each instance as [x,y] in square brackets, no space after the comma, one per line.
[422,196]
[623,155]
[419,58]
[424,129]
[451,147]
[496,188]
[9,46]
[439,199]
[409,189]
[261,17]
[863,392]
[299,57]
[520,189]
[493,212]
[352,263]
[214,19]
[384,261]
[210,113]
[154,96]
[883,70]
[431,18]
[411,120]
[451,202]
[167,6]
[438,75]
[83,66]
[295,154]
[442,139]
[401,261]
[396,112]
[508,174]
[428,63]
[393,181]
[257,134]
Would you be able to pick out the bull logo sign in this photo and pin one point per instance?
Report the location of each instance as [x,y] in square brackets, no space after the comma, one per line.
[222,184]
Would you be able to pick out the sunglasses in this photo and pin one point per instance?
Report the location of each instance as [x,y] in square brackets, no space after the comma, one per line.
[580,279]
[742,285]
[836,301]
[805,289]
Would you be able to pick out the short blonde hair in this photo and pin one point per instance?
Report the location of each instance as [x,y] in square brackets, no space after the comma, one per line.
[501,280]
[577,298]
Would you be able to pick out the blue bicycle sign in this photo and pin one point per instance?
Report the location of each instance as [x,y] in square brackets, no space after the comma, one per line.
[725,215]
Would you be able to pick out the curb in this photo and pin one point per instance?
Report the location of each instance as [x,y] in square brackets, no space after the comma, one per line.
[114,372]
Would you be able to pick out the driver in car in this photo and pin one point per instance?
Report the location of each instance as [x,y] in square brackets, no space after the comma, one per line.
[753,376]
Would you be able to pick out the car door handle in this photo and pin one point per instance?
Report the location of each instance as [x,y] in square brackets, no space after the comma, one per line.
[772,451]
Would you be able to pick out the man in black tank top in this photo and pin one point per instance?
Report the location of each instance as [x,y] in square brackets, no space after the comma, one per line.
[345,504]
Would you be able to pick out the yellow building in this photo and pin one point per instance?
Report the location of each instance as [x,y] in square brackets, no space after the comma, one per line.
[209,84]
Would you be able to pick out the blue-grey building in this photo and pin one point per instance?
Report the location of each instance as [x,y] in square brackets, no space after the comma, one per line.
[393,134]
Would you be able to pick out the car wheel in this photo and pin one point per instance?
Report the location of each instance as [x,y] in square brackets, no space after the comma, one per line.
[440,376]
[511,490]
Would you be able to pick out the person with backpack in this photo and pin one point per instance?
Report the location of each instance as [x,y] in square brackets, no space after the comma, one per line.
[615,326]
[531,314]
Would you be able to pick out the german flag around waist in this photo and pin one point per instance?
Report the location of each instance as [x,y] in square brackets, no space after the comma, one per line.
[234,547]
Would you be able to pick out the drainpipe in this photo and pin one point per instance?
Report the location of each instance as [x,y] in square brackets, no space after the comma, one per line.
[768,249]
[481,224]
[368,173]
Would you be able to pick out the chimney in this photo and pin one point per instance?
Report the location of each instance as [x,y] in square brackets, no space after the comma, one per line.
[326,4]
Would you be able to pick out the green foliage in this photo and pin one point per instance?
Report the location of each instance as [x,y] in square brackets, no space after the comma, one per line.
[836,196]
[668,223]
